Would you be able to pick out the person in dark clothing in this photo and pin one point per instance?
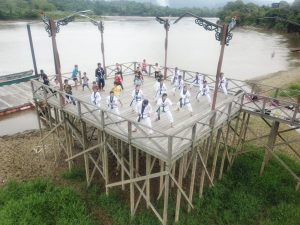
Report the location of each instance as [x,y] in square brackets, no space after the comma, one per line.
[99,74]
[44,77]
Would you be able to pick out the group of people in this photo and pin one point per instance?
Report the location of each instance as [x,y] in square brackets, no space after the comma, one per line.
[139,103]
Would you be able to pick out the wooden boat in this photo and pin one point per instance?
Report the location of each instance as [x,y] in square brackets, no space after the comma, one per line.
[16,78]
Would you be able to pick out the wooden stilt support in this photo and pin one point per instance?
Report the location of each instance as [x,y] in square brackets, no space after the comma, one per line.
[86,158]
[216,154]
[178,199]
[148,161]
[271,142]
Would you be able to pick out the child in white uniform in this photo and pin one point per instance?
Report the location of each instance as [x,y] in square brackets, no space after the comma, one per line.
[144,111]
[222,83]
[204,91]
[95,97]
[160,89]
[112,104]
[178,85]
[184,100]
[164,104]
[137,96]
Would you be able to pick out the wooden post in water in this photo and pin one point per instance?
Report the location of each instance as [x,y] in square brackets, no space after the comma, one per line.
[32,49]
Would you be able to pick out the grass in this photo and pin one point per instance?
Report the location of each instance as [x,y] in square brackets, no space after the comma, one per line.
[41,203]
[75,174]
[293,90]
[241,197]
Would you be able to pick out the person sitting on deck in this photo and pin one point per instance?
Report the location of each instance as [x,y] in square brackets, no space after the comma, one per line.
[175,75]
[144,111]
[68,90]
[163,105]
[204,91]
[85,82]
[178,85]
[144,66]
[117,89]
[96,97]
[198,81]
[137,96]
[138,78]
[160,89]
[222,83]
[75,73]
[184,100]
[156,70]
[112,103]
[99,74]
[119,80]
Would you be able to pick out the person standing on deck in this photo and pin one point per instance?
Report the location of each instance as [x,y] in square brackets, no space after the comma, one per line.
[144,67]
[96,97]
[160,89]
[175,75]
[44,77]
[113,103]
[117,90]
[144,111]
[138,78]
[178,85]
[119,80]
[85,82]
[163,105]
[222,83]
[137,96]
[198,81]
[184,100]
[119,70]
[75,73]
[204,91]
[156,70]
[68,90]
[99,74]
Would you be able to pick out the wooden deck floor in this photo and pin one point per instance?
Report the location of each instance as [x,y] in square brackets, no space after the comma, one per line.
[15,95]
[157,143]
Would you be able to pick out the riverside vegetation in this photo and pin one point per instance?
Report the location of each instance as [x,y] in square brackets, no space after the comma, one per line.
[241,197]
[247,14]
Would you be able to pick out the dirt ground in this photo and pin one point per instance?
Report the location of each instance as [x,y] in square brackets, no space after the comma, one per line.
[20,161]
[280,79]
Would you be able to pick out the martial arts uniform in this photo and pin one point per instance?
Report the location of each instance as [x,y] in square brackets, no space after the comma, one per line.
[160,90]
[222,85]
[96,98]
[204,91]
[137,96]
[164,107]
[184,101]
[144,115]
[178,85]
[112,105]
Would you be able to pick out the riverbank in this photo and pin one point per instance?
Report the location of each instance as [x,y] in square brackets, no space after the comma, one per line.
[280,79]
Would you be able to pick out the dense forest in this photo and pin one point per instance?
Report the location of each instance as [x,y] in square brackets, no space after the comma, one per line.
[281,17]
[31,9]
[246,13]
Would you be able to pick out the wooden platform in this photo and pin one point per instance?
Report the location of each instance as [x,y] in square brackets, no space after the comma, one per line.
[15,96]
[157,143]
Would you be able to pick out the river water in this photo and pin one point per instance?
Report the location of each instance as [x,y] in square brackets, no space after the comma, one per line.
[190,47]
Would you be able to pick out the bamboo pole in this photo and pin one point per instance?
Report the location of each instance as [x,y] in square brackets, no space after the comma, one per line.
[148,159]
